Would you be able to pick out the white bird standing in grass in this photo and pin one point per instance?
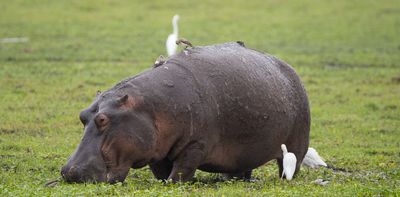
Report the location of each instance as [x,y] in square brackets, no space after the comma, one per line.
[171,41]
[289,163]
[313,160]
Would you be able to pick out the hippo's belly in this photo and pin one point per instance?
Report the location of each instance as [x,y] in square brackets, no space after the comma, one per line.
[231,157]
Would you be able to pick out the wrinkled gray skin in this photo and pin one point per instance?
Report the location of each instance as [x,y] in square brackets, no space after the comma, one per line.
[221,108]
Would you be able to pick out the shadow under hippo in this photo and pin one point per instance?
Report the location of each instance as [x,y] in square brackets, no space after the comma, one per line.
[222,108]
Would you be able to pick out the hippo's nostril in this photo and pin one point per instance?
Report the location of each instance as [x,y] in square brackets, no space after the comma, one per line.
[64,170]
[71,174]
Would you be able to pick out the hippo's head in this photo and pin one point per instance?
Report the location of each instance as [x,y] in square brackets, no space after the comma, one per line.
[118,135]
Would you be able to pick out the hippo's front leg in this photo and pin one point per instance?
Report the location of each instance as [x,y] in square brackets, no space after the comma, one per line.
[187,162]
[162,169]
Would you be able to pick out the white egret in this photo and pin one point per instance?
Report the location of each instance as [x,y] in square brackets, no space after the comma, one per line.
[313,160]
[289,163]
[171,41]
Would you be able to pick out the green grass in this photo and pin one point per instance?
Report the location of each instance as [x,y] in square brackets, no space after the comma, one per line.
[346,52]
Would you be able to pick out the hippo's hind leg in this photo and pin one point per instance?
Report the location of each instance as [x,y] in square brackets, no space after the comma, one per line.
[161,169]
[279,161]
[241,175]
[299,149]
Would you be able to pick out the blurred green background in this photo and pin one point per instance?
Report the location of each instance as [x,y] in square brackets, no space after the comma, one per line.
[345,51]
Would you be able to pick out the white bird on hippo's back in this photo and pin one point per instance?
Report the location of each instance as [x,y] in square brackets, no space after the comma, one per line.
[289,163]
[171,41]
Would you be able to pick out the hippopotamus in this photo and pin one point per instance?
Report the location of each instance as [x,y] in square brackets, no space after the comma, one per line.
[222,108]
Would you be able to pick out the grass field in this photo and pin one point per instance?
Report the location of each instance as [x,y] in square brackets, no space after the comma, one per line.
[347,53]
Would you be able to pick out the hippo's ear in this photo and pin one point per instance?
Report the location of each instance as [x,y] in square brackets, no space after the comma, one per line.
[123,99]
[129,102]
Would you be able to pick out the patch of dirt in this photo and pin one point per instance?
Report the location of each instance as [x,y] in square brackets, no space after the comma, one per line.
[390,107]
[7,131]
[10,148]
[28,50]
[355,65]
[7,156]
[23,131]
[94,83]
[384,153]
[396,80]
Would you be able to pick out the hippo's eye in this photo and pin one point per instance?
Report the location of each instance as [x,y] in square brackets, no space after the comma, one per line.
[101,121]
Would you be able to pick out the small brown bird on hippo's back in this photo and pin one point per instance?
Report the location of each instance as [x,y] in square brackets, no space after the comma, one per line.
[185,42]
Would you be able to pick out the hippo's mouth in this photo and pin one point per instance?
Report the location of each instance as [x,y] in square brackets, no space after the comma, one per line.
[76,175]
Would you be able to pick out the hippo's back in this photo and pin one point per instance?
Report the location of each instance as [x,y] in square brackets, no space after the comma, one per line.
[258,100]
